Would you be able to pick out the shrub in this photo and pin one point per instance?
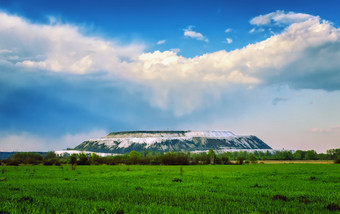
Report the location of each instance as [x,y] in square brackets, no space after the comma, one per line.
[73,159]
[175,158]
[240,160]
[252,158]
[337,160]
[48,162]
[12,162]
[26,158]
[134,157]
[83,160]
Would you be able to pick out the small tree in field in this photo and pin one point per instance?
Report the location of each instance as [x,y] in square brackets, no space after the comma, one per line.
[240,160]
[73,161]
[337,160]
[212,156]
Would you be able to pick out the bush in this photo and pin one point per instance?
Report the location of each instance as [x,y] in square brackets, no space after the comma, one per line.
[83,160]
[240,160]
[12,162]
[73,159]
[175,158]
[337,160]
[48,162]
[134,157]
[252,158]
[25,158]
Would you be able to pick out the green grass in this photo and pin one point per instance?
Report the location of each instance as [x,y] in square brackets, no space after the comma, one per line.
[262,188]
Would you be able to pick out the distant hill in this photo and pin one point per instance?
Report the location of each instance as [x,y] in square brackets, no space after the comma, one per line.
[166,141]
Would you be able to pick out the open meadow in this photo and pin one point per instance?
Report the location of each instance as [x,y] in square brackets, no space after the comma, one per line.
[258,188]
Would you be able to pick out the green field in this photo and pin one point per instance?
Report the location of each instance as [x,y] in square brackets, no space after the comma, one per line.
[259,188]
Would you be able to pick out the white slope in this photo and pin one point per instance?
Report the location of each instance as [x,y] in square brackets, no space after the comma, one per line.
[70,152]
[124,140]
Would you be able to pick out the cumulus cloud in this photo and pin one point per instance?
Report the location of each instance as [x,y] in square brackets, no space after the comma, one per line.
[160,42]
[194,35]
[281,18]
[229,40]
[305,55]
[60,48]
[228,30]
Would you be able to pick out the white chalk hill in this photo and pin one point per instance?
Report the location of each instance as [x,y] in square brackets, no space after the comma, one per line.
[166,141]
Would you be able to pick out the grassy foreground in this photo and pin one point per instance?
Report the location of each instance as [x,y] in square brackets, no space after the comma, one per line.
[261,188]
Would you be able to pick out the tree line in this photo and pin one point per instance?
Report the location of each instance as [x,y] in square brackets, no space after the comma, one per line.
[169,158]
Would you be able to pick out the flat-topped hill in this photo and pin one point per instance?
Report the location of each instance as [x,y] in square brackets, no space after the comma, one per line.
[165,141]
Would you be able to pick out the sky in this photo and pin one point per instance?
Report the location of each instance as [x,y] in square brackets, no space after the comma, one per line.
[77,70]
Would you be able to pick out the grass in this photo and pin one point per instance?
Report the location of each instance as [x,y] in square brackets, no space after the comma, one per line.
[297,161]
[261,188]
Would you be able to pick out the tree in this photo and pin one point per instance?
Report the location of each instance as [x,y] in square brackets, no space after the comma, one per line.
[134,157]
[252,158]
[73,159]
[51,158]
[333,153]
[240,160]
[94,159]
[50,155]
[311,155]
[299,155]
[83,160]
[27,157]
[224,159]
[212,156]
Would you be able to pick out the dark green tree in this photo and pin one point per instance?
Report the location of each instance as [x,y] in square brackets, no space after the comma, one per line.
[311,155]
[82,159]
[240,160]
[73,159]
[333,153]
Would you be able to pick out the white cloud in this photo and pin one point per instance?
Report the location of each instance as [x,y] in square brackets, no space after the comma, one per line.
[304,55]
[333,129]
[61,48]
[160,42]
[255,30]
[229,40]
[29,142]
[194,35]
[280,17]
[228,30]
[22,142]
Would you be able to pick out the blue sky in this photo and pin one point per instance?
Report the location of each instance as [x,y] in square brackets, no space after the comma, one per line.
[70,71]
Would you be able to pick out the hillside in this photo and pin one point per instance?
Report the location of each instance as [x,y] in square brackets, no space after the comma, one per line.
[165,141]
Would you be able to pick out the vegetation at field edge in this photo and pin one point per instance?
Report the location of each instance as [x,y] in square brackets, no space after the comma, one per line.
[169,158]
